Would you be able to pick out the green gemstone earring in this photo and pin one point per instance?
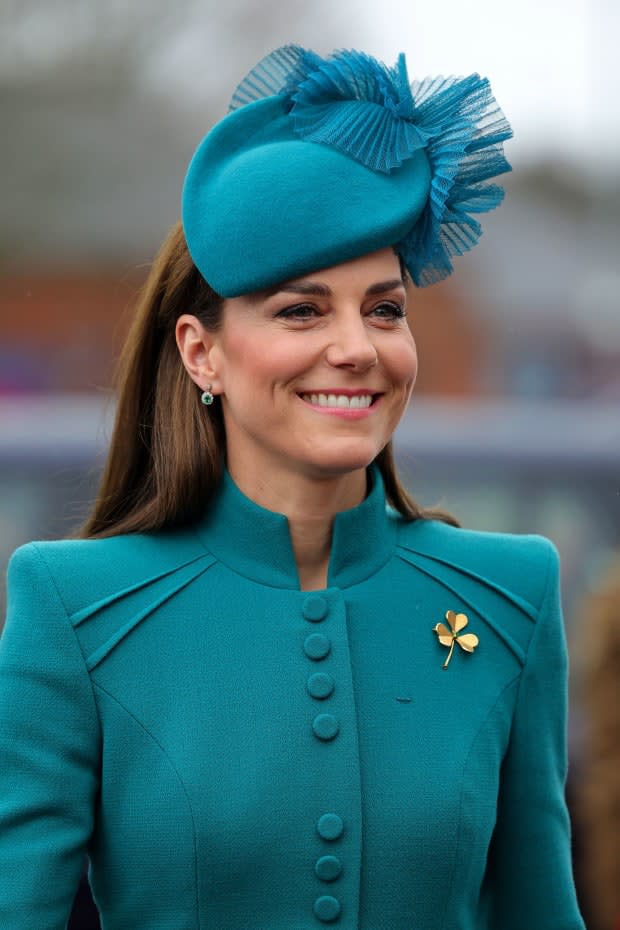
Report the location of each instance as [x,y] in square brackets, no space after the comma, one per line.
[207,397]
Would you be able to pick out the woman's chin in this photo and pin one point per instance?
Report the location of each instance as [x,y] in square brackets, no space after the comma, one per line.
[337,462]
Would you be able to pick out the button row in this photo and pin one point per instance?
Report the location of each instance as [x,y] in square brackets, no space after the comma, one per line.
[325,726]
[328,868]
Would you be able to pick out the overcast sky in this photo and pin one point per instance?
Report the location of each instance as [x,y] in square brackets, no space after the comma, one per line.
[552,63]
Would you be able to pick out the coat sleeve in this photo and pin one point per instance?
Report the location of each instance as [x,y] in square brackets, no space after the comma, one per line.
[530,857]
[49,752]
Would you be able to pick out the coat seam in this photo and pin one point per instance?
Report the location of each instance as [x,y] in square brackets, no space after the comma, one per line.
[180,780]
[543,603]
[483,724]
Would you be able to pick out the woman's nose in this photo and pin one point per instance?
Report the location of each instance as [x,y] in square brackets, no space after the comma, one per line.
[351,345]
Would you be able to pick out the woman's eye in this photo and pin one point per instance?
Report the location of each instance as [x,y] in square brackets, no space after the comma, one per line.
[298,312]
[389,311]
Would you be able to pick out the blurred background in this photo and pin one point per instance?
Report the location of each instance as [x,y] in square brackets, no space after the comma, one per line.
[515,421]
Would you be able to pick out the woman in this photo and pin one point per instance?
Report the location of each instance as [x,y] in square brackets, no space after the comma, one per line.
[254,696]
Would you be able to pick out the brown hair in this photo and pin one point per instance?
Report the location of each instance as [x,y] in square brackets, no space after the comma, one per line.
[598,791]
[167,452]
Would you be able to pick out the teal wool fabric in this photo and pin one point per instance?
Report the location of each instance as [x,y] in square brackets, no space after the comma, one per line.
[236,754]
[322,160]
[261,206]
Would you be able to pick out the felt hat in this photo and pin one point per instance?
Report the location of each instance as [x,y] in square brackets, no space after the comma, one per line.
[320,161]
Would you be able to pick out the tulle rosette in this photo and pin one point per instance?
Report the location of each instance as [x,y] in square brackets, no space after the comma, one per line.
[372,113]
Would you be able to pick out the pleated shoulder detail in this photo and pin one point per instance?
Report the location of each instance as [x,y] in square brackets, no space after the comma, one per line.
[108,587]
[79,616]
[487,573]
[177,580]
[470,600]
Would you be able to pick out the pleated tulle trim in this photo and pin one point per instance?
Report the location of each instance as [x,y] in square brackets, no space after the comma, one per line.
[467,131]
[372,113]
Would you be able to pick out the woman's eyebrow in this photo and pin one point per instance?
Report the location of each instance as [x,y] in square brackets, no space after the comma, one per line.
[383,286]
[304,287]
[314,289]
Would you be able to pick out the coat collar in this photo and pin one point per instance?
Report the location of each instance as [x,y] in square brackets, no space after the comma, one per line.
[256,542]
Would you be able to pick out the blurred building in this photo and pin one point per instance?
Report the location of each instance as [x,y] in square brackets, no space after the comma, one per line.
[61,331]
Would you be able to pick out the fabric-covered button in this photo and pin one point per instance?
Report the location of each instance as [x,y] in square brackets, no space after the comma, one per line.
[317,646]
[314,608]
[328,868]
[325,726]
[327,908]
[330,826]
[320,685]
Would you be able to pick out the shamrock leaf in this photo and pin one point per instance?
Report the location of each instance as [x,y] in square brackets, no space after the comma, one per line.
[449,635]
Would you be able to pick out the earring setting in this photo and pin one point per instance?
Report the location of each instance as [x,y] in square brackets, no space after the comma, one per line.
[207,397]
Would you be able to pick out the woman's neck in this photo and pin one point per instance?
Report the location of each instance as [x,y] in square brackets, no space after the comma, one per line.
[310,506]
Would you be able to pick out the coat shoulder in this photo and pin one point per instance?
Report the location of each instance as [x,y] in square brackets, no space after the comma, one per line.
[89,573]
[507,580]
[521,564]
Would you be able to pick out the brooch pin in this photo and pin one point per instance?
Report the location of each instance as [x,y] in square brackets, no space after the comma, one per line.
[450,636]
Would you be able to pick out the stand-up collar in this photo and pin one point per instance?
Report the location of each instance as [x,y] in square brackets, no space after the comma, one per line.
[256,542]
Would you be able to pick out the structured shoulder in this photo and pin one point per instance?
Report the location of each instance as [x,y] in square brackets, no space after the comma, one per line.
[91,572]
[507,579]
[520,563]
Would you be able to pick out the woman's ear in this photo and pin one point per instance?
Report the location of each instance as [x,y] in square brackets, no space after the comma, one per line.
[197,348]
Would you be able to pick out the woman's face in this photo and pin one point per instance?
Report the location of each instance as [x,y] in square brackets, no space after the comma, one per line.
[314,375]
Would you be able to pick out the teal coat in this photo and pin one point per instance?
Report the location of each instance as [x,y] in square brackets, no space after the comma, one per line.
[236,754]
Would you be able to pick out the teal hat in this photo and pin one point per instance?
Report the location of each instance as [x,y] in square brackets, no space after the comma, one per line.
[320,161]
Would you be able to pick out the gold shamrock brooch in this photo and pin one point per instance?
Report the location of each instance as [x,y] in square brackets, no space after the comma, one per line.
[448,636]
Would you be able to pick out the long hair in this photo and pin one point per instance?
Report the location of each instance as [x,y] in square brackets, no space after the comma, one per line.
[167,453]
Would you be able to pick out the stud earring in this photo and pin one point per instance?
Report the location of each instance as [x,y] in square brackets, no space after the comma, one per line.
[207,397]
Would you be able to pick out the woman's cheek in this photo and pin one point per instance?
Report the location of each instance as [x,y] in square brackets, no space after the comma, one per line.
[406,365]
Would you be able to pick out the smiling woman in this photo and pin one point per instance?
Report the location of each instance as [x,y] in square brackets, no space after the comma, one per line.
[249,713]
[168,474]
[310,389]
